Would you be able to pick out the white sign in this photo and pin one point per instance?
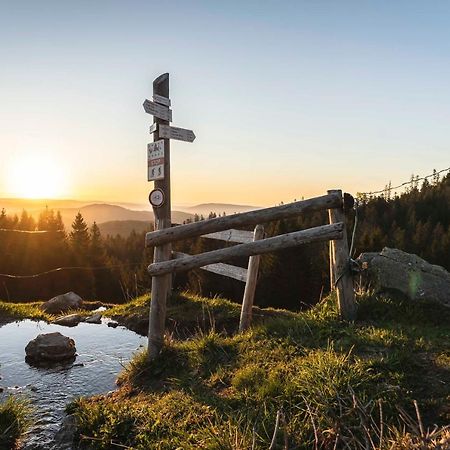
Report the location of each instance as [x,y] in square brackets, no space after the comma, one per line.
[155,151]
[160,111]
[153,127]
[161,100]
[156,198]
[181,134]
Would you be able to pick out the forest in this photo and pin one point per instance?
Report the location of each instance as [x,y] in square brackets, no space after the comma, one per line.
[113,268]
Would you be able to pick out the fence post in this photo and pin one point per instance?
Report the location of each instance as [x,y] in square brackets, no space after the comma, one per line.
[340,261]
[250,284]
[160,284]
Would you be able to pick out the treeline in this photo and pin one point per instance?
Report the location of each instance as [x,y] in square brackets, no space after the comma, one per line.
[113,268]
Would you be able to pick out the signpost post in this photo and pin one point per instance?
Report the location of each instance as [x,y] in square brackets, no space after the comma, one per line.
[160,198]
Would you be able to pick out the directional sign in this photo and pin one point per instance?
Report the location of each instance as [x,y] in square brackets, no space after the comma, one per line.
[155,152]
[181,134]
[160,111]
[153,127]
[161,100]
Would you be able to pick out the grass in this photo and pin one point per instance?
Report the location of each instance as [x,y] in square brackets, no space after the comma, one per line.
[14,421]
[297,381]
[19,311]
[187,314]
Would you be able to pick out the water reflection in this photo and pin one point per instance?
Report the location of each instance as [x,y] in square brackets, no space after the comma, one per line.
[101,353]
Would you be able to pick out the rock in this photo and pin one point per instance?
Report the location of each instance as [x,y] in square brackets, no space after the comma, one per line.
[1,390]
[397,271]
[50,347]
[64,437]
[95,318]
[62,303]
[113,324]
[71,320]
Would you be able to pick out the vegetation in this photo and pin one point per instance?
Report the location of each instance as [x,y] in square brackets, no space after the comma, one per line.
[305,380]
[113,268]
[18,311]
[14,421]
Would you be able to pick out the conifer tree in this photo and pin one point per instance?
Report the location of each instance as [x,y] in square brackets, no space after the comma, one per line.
[79,236]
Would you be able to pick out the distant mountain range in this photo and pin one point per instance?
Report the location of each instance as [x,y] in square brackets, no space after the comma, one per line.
[114,218]
[218,208]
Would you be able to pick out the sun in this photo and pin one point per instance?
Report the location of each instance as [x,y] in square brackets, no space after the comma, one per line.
[36,176]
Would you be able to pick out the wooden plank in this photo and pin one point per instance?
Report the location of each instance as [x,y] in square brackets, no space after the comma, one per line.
[180,134]
[161,100]
[317,234]
[227,270]
[238,236]
[250,284]
[243,219]
[161,285]
[341,274]
[159,111]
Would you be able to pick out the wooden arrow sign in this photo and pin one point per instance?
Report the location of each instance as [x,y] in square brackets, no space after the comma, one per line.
[160,111]
[181,134]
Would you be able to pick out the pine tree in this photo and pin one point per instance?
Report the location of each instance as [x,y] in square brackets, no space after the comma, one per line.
[96,247]
[79,237]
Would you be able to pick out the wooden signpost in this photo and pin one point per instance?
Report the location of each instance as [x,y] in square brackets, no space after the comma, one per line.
[160,199]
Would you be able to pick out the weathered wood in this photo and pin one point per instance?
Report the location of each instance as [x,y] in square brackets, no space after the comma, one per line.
[243,219]
[332,263]
[343,279]
[227,270]
[160,284]
[238,236]
[250,285]
[317,234]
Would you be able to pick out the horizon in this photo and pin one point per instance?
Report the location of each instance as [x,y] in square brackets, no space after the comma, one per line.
[290,103]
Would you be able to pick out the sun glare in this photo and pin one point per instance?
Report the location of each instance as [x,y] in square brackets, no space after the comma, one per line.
[36,177]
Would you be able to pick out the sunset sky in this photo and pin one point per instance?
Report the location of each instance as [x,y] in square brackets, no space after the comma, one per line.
[287,99]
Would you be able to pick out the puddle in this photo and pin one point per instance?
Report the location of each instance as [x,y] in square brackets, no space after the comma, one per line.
[102,351]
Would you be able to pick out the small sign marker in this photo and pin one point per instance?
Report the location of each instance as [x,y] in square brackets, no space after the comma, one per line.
[161,100]
[159,111]
[180,134]
[156,160]
[156,198]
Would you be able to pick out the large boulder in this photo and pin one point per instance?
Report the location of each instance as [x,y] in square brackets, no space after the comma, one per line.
[51,347]
[393,270]
[62,303]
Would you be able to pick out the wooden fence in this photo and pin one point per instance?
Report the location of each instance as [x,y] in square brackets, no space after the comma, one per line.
[334,232]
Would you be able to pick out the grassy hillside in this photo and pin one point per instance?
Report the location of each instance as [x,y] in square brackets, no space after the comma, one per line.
[301,381]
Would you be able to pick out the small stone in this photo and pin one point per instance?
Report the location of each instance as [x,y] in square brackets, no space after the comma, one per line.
[71,320]
[95,318]
[113,324]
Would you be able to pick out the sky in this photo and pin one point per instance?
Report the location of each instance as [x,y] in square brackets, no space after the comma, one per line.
[287,98]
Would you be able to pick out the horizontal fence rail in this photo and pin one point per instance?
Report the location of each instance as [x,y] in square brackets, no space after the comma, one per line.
[227,270]
[236,236]
[317,234]
[190,230]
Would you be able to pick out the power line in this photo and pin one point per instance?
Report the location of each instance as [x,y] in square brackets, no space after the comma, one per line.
[415,180]
[61,269]
[39,232]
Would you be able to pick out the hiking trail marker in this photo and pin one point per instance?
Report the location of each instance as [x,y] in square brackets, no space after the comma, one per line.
[158,162]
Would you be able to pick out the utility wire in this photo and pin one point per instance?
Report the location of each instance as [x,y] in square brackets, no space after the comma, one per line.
[61,269]
[415,180]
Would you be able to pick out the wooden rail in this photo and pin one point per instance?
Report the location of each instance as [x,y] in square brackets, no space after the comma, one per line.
[317,234]
[227,270]
[164,236]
